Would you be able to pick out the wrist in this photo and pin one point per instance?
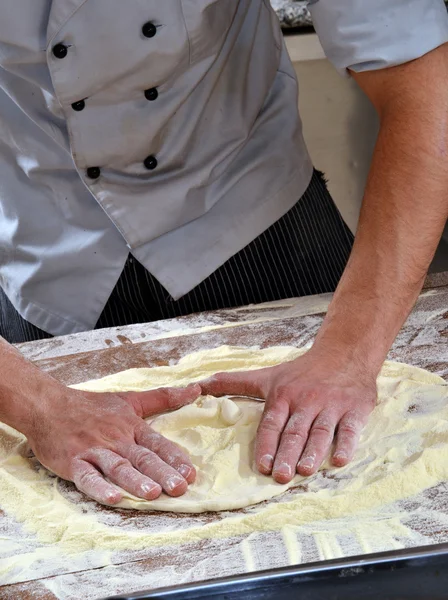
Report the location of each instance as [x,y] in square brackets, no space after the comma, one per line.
[23,404]
[348,350]
[360,327]
[26,393]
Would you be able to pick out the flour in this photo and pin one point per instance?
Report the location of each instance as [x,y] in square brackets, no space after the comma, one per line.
[367,506]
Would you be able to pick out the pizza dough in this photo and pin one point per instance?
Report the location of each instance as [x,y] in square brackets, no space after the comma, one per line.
[219,435]
[408,425]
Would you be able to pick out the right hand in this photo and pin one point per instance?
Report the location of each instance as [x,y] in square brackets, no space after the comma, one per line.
[87,437]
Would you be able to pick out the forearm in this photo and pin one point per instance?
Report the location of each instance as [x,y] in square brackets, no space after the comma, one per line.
[404,211]
[24,389]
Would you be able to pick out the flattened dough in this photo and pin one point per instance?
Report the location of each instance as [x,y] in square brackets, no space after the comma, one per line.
[219,435]
[411,419]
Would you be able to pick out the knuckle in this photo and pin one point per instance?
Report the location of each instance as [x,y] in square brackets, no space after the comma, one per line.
[353,419]
[153,440]
[85,480]
[310,395]
[213,384]
[269,416]
[157,444]
[142,459]
[269,426]
[296,423]
[324,427]
[218,377]
[292,437]
[269,421]
[175,398]
[283,392]
[165,447]
[349,428]
[118,466]
[111,433]
[173,457]
[162,472]
[171,398]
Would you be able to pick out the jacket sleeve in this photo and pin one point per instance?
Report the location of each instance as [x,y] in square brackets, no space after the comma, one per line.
[365,35]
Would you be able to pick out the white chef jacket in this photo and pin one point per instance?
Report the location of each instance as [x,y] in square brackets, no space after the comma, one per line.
[166,129]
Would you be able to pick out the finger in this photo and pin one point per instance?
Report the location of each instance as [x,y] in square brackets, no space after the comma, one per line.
[121,472]
[318,444]
[162,400]
[347,438]
[168,451]
[151,465]
[271,426]
[89,481]
[292,443]
[245,383]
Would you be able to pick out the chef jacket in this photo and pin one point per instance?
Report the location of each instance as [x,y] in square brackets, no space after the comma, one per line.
[168,129]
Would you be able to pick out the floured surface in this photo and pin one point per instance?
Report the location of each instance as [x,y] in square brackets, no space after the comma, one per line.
[391,496]
[49,573]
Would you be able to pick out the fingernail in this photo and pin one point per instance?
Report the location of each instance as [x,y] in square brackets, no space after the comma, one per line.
[341,455]
[113,497]
[185,471]
[174,482]
[267,462]
[307,463]
[147,489]
[283,469]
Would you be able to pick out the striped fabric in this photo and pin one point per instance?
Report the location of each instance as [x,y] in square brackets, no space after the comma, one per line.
[303,253]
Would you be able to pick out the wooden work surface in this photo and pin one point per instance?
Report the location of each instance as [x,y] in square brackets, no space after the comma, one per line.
[422,342]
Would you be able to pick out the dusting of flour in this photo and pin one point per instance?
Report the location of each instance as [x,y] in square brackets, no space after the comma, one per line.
[372,504]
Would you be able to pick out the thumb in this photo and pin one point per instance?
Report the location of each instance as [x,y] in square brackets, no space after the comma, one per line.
[243,383]
[162,400]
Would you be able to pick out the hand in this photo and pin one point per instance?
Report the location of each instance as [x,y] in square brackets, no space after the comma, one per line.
[85,437]
[309,401]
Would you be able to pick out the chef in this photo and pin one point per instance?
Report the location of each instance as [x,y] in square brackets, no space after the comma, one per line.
[153,165]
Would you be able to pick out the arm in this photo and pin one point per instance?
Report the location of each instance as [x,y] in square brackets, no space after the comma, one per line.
[85,437]
[404,210]
[331,390]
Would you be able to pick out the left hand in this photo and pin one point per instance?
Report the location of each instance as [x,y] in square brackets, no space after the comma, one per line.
[309,402]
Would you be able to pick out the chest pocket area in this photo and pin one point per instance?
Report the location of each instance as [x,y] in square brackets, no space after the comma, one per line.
[208,23]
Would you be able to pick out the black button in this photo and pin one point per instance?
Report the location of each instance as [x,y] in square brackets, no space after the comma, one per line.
[149,30]
[151,163]
[60,51]
[79,106]
[93,172]
[151,94]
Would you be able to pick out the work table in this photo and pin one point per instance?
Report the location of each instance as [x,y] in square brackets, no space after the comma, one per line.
[76,358]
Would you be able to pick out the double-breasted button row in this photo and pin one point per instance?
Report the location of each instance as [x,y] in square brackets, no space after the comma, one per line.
[150,163]
[149,30]
[60,51]
[150,95]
